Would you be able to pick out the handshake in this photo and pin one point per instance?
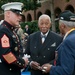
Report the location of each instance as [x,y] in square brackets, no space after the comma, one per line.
[44,68]
[36,66]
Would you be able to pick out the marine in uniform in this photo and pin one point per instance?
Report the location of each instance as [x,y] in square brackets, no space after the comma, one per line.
[11,61]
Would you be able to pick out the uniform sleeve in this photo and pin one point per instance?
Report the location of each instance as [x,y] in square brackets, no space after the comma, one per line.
[65,60]
[7,54]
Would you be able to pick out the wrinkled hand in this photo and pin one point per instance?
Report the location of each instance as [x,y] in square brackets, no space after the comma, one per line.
[46,68]
[34,65]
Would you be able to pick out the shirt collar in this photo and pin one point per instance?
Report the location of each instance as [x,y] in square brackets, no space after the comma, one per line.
[65,36]
[45,34]
[68,33]
[8,25]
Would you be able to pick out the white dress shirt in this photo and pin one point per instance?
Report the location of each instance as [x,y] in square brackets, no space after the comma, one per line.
[44,36]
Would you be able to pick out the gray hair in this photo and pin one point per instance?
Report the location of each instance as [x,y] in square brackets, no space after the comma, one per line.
[43,16]
[67,23]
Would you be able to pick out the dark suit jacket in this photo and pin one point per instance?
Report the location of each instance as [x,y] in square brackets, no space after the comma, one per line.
[66,57]
[27,31]
[42,53]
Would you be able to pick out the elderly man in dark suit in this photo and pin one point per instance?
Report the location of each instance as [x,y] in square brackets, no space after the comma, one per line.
[41,45]
[65,64]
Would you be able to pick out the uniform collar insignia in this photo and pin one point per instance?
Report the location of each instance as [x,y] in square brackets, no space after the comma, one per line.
[8,25]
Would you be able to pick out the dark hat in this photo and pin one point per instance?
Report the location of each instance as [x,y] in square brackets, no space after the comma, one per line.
[15,7]
[67,16]
[16,11]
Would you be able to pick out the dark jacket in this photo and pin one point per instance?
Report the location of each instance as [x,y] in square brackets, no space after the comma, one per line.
[66,57]
[42,53]
[11,61]
[27,31]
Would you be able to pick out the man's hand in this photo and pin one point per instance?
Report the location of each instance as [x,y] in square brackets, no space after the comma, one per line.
[46,68]
[26,61]
[34,65]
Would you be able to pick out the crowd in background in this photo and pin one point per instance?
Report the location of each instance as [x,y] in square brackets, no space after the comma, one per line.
[23,35]
[50,53]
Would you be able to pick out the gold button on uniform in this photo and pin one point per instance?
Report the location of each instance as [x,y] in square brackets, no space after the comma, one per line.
[19,63]
[16,48]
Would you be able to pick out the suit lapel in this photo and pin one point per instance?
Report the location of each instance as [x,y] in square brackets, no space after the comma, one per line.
[48,41]
[38,42]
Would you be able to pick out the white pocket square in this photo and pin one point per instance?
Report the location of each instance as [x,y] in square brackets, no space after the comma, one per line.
[53,45]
